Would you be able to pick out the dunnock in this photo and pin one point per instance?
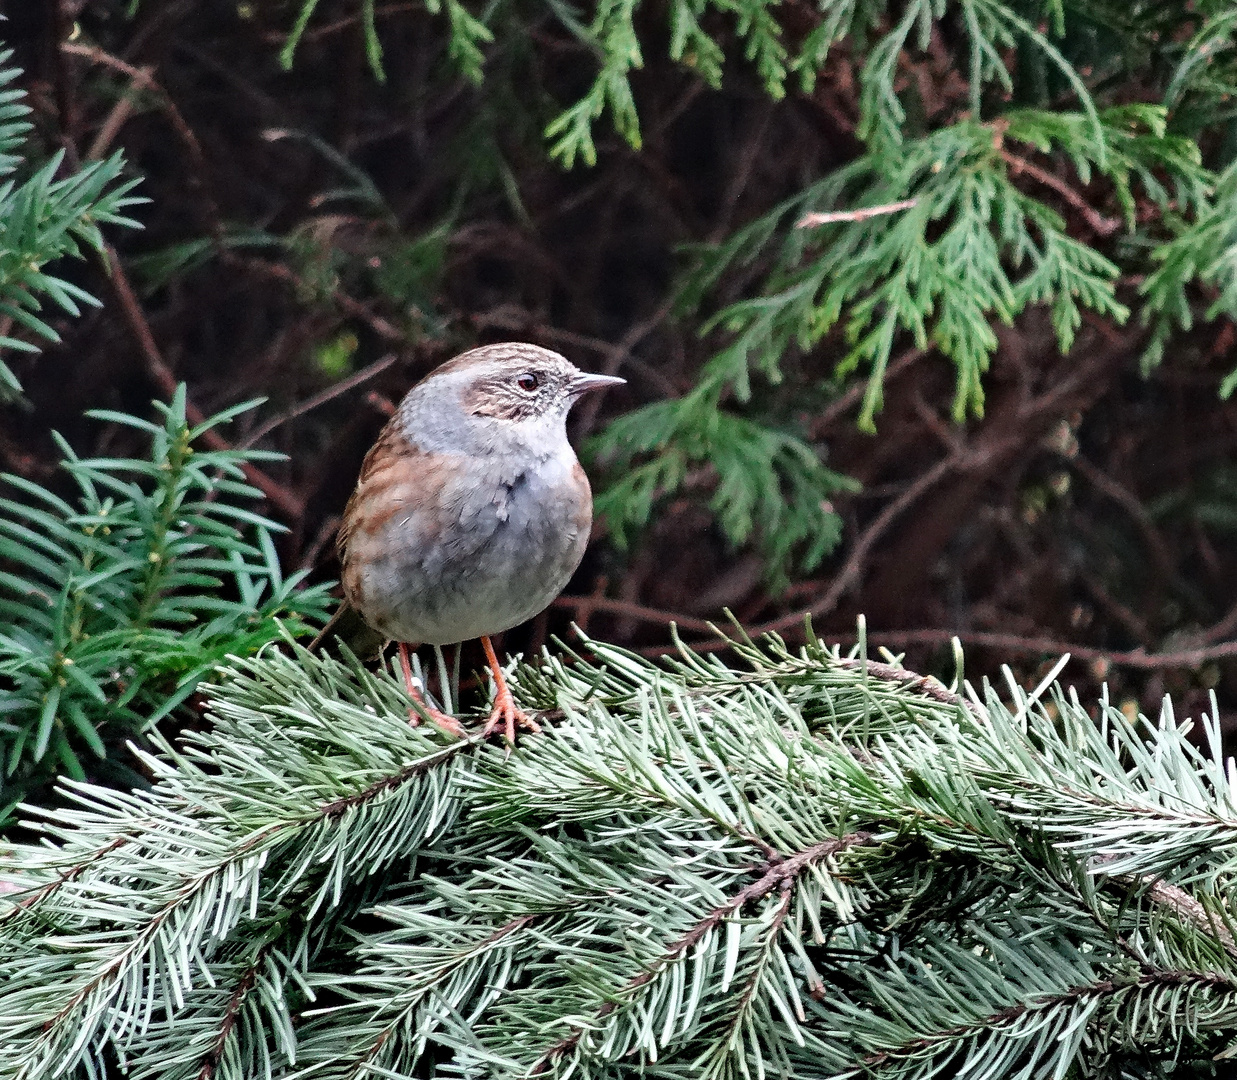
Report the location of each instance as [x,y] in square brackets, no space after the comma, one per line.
[471,512]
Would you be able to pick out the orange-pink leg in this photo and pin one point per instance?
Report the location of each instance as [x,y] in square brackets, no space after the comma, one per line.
[445,721]
[505,713]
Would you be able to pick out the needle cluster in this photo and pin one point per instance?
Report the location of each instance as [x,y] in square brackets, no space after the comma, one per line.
[810,864]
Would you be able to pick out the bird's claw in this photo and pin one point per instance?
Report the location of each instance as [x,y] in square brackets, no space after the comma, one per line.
[446,721]
[507,715]
[423,708]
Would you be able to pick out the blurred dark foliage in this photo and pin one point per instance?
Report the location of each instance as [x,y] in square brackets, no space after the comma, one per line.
[306,224]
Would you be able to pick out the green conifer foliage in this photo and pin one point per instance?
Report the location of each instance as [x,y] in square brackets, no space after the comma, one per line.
[814,865]
[114,607]
[1035,181]
[986,157]
[43,217]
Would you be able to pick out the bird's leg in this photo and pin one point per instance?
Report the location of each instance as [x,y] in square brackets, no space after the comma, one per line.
[448,723]
[505,713]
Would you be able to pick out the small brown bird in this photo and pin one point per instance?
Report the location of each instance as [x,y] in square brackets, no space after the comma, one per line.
[471,512]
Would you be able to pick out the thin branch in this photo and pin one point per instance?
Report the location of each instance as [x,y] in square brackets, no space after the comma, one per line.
[329,394]
[590,604]
[361,1063]
[116,119]
[351,307]
[1138,659]
[734,1028]
[1129,502]
[1100,225]
[1013,1013]
[284,498]
[854,566]
[835,410]
[215,1054]
[23,902]
[810,221]
[144,78]
[338,807]
[380,12]
[1176,899]
[924,685]
[1018,644]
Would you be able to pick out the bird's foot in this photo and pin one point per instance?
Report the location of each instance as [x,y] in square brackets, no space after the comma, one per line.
[505,714]
[446,721]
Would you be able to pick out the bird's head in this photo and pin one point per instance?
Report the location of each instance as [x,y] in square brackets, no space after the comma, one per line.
[498,396]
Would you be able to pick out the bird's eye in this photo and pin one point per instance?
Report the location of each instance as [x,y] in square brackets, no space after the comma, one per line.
[528,382]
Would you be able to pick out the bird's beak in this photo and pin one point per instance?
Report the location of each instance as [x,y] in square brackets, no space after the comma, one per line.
[584,382]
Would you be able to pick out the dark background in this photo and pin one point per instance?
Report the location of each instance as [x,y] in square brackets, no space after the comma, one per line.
[1091,509]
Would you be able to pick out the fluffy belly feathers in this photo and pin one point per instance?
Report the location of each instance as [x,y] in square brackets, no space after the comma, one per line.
[484,555]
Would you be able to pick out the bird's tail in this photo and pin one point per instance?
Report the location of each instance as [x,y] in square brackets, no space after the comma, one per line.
[347,626]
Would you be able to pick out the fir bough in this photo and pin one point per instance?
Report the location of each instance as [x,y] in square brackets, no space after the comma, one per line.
[812,865]
[43,217]
[115,606]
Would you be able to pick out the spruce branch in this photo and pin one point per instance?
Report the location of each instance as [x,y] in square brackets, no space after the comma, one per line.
[812,862]
[780,873]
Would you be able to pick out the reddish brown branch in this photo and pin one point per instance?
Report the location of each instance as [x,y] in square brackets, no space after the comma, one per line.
[317,400]
[1075,994]
[1100,225]
[380,12]
[348,305]
[287,501]
[339,806]
[857,560]
[835,410]
[231,1012]
[590,604]
[71,874]
[1015,644]
[144,78]
[1158,548]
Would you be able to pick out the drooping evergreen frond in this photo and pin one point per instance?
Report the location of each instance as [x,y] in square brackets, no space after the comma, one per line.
[113,608]
[972,248]
[1205,252]
[767,485]
[814,865]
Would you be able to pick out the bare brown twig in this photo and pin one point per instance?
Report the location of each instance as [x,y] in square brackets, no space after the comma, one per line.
[380,12]
[329,394]
[590,604]
[835,410]
[810,221]
[116,119]
[144,78]
[855,562]
[1100,225]
[1129,502]
[288,502]
[348,305]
